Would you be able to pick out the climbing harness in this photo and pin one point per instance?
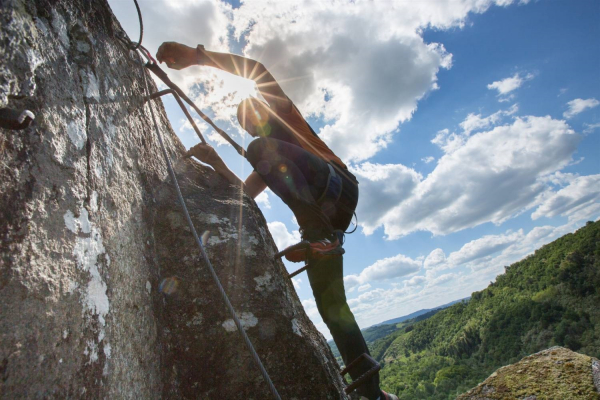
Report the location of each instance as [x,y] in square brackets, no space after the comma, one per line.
[375,367]
[333,189]
[15,119]
[154,68]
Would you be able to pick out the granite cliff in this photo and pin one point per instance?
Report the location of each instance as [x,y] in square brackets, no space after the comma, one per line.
[102,290]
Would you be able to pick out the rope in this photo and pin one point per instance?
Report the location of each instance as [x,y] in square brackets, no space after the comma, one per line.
[236,320]
[139,12]
[259,364]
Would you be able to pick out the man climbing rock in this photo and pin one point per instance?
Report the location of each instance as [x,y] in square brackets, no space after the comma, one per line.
[290,159]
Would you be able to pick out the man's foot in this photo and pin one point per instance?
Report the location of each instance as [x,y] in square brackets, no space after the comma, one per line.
[315,249]
[387,396]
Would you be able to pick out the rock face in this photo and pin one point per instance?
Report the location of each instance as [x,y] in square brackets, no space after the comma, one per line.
[556,373]
[102,291]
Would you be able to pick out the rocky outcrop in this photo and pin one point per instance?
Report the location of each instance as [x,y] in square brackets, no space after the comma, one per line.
[556,373]
[102,291]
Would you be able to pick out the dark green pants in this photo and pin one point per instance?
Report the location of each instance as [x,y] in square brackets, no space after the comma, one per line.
[327,282]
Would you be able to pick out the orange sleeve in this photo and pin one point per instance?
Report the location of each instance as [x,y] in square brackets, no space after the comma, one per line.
[307,139]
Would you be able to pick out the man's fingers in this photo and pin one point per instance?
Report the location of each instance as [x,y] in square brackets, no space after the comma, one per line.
[160,52]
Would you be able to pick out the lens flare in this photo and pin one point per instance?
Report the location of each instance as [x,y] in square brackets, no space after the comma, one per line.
[283,168]
[169,285]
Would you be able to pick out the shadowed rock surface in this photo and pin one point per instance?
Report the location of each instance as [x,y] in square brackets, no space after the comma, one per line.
[91,230]
[555,373]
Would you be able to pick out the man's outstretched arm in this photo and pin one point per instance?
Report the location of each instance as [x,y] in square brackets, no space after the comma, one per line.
[179,56]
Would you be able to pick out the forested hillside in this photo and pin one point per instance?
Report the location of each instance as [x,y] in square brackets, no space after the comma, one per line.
[549,298]
[372,333]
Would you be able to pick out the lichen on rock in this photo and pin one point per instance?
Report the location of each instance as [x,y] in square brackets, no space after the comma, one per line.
[555,373]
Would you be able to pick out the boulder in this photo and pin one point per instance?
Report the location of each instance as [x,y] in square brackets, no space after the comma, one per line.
[555,373]
[103,293]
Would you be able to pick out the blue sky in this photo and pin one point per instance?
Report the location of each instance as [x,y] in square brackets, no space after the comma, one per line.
[473,126]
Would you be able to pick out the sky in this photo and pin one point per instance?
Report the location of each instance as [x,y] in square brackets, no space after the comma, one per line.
[473,126]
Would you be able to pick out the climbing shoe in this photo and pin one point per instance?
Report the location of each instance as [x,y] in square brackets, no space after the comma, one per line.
[312,249]
[387,396]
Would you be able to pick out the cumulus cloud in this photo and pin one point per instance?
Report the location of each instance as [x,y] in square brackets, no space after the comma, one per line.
[415,281]
[363,67]
[427,160]
[489,176]
[382,186]
[362,288]
[509,84]
[475,122]
[578,106]
[435,259]
[472,253]
[589,128]
[191,22]
[282,237]
[297,282]
[263,200]
[186,21]
[386,268]
[486,257]
[442,279]
[483,247]
[580,200]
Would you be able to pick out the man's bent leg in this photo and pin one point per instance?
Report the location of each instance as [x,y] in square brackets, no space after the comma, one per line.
[297,176]
[327,282]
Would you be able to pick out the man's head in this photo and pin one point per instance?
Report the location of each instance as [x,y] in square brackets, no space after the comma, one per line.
[253,116]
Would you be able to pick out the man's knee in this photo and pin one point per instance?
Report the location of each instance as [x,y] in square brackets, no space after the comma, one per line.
[261,154]
[337,315]
[256,150]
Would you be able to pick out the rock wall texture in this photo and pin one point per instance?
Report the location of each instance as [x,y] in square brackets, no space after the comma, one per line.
[102,292]
[555,373]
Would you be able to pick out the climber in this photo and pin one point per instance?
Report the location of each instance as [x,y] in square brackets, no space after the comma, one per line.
[290,159]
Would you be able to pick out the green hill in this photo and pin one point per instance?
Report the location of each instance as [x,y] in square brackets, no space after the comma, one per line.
[550,298]
[383,329]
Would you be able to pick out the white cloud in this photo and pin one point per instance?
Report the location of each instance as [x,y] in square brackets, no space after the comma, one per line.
[185,21]
[380,304]
[507,85]
[580,200]
[427,160]
[382,187]
[483,247]
[283,238]
[578,106]
[297,282]
[435,259]
[589,128]
[363,67]
[489,176]
[263,200]
[472,254]
[442,279]
[386,268]
[488,268]
[475,122]
[415,281]
[362,288]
